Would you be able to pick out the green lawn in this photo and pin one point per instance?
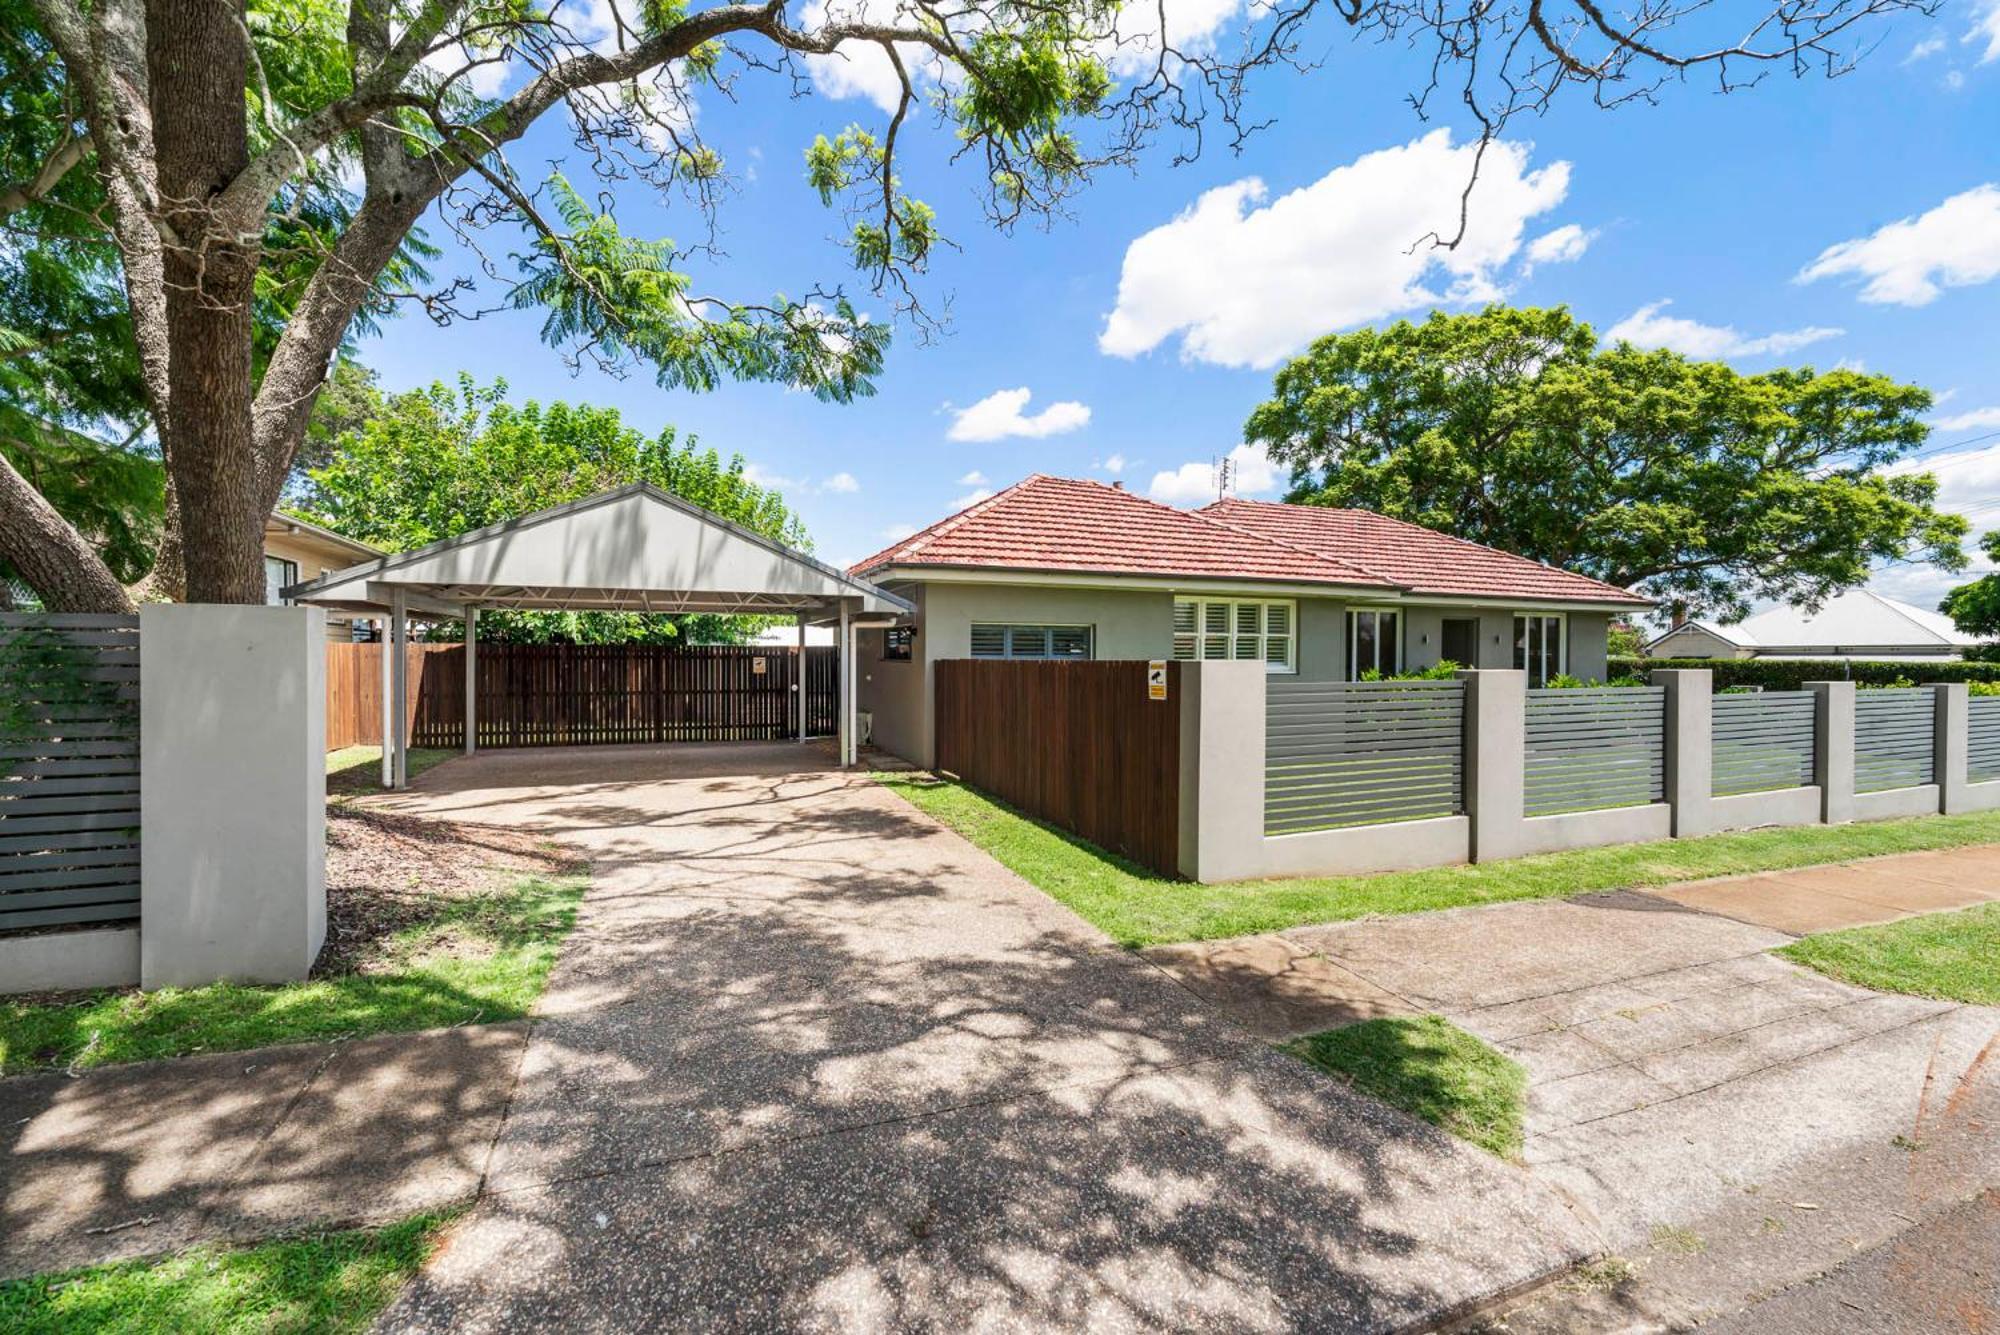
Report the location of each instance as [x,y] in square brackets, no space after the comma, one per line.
[322,1283]
[1428,1066]
[1950,956]
[480,959]
[1141,908]
[358,769]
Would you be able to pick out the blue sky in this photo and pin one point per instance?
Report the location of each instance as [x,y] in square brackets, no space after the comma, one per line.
[1856,220]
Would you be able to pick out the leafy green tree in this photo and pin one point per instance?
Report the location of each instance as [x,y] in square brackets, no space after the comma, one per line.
[220,138]
[1975,608]
[1690,481]
[435,463]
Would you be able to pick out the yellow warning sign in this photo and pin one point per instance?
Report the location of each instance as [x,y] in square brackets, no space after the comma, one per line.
[1156,679]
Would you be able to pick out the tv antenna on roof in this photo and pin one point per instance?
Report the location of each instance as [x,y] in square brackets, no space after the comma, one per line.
[1224,471]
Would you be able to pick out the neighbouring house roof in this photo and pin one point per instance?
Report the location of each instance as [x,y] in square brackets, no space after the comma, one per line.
[281,524]
[1856,620]
[1078,526]
[1419,559]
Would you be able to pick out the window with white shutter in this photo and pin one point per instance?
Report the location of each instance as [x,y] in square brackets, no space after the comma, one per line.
[1242,628]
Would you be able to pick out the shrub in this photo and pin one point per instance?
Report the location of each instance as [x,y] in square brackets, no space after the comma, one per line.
[1791,674]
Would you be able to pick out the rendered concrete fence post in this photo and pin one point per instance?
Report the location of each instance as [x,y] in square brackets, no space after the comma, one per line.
[232,784]
[1953,736]
[1833,749]
[1222,769]
[1690,747]
[1496,723]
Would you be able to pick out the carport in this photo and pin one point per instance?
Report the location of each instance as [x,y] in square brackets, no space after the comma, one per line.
[633,549]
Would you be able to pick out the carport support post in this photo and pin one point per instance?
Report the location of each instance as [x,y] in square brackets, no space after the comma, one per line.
[471,679]
[388,704]
[1690,762]
[399,635]
[800,676]
[1833,749]
[847,747]
[1954,727]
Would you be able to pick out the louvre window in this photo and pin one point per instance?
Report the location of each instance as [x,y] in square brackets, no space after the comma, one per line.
[897,642]
[1241,628]
[1070,642]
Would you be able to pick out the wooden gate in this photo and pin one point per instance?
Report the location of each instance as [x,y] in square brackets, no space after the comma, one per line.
[579,694]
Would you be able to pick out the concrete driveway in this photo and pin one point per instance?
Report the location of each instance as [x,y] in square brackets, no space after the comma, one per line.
[812,1062]
[1734,1123]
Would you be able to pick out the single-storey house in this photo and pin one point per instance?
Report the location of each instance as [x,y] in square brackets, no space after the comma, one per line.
[297,552]
[1074,569]
[1857,624]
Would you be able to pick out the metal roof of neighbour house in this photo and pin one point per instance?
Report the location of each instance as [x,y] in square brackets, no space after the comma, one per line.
[1083,527]
[636,549]
[281,523]
[1420,559]
[1075,526]
[1854,620]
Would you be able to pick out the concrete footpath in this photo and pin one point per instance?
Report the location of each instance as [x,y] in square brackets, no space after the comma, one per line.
[808,1061]
[1735,1125]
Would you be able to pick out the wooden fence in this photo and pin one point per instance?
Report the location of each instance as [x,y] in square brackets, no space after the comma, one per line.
[69,770]
[570,694]
[1080,745]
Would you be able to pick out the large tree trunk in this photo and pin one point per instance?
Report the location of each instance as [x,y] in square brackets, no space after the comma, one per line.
[197,57]
[65,572]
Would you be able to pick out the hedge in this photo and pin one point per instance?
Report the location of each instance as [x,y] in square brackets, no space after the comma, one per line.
[1791,674]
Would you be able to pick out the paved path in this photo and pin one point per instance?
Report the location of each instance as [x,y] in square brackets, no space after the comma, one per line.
[809,1061]
[1737,1123]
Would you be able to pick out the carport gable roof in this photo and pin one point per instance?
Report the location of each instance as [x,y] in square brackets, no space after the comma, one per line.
[633,549]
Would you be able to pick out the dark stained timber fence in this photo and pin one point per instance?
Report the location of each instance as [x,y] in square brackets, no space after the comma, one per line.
[1763,741]
[1894,738]
[1982,750]
[1362,753]
[69,770]
[1079,745]
[571,694]
[1588,750]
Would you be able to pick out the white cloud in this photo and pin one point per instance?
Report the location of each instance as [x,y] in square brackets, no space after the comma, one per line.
[1908,263]
[973,479]
[863,69]
[1923,50]
[970,498]
[1001,414]
[1244,282]
[1564,244]
[843,483]
[1969,421]
[1194,483]
[1986,28]
[897,532]
[758,475]
[1647,328]
[1113,465]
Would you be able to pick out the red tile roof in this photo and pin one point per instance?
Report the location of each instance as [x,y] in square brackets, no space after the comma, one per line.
[1077,526]
[1419,559]
[1073,525]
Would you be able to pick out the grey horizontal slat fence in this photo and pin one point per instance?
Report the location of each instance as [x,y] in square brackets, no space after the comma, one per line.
[69,770]
[1762,741]
[1982,750]
[1590,749]
[1362,753]
[1894,738]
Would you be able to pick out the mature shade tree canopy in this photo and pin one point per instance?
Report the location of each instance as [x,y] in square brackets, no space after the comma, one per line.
[1975,607]
[246,148]
[1696,484]
[432,464]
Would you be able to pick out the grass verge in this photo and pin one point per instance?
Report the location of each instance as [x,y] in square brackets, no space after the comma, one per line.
[479,959]
[1426,1065]
[1141,908]
[321,1283]
[353,770]
[1950,956]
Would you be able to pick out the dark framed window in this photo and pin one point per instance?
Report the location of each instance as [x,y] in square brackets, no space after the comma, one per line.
[278,574]
[1374,643]
[998,641]
[1538,646]
[897,643]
